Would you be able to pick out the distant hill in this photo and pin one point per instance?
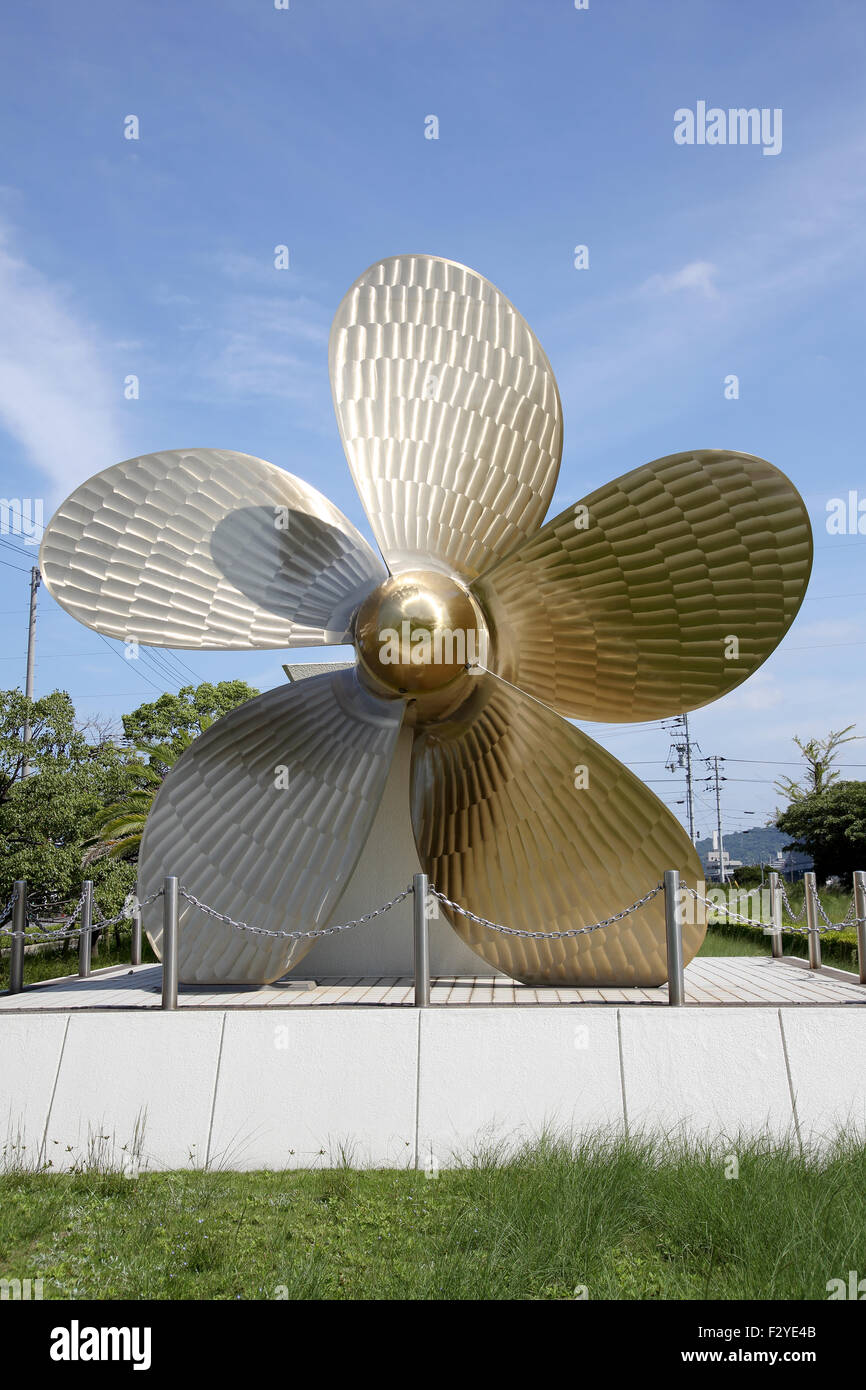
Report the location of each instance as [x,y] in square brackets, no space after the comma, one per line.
[754,846]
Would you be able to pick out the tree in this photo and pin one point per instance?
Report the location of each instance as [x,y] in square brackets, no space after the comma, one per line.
[188,713]
[830,825]
[819,754]
[45,818]
[118,828]
[164,730]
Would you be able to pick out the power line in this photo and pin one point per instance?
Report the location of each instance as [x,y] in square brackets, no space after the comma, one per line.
[130,663]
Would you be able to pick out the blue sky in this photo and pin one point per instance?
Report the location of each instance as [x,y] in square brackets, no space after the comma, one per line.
[305,127]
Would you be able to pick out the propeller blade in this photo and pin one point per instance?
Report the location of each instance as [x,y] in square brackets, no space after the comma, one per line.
[264,818]
[527,822]
[448,411]
[624,607]
[206,548]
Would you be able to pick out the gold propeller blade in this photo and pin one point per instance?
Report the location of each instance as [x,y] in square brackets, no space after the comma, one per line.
[264,818]
[624,607]
[503,830]
[448,411]
[206,548]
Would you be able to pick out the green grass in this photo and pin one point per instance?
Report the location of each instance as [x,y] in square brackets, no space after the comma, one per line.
[721,943]
[625,1219]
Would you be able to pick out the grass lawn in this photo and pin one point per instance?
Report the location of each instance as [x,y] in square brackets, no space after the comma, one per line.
[614,1216]
[719,943]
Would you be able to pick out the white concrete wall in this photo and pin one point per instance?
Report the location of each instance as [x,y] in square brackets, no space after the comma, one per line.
[388,1087]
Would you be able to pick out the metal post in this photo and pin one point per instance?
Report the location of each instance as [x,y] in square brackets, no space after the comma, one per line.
[422,941]
[674,934]
[810,891]
[16,940]
[31,653]
[776,914]
[169,943]
[135,958]
[860,911]
[85,937]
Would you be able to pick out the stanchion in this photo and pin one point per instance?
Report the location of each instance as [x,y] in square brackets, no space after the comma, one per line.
[85,936]
[810,891]
[776,916]
[135,956]
[169,943]
[860,912]
[16,941]
[674,936]
[422,941]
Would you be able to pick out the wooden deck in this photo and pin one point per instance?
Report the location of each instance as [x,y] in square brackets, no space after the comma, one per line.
[712,980]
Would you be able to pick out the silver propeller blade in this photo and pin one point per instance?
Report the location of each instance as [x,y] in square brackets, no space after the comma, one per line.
[206,548]
[449,414]
[264,818]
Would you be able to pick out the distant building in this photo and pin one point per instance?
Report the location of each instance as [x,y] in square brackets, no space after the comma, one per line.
[711,867]
[761,845]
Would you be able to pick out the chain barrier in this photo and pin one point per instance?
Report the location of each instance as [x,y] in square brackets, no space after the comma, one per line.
[794,916]
[295,935]
[545,935]
[788,928]
[44,933]
[102,922]
[7,911]
[718,908]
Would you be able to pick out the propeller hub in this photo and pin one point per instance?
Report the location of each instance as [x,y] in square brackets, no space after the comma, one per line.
[419,632]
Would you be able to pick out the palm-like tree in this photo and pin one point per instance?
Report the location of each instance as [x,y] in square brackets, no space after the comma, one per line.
[118,828]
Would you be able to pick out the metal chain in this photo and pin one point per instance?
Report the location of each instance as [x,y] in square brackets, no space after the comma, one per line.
[103,923]
[850,919]
[43,934]
[7,911]
[730,915]
[46,933]
[794,916]
[295,935]
[545,935]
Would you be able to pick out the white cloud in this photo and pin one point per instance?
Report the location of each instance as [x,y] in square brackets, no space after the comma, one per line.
[697,275]
[759,692]
[640,345]
[56,395]
[827,631]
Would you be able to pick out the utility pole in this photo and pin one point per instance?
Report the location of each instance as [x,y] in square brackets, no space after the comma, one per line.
[715,762]
[689,792]
[31,656]
[680,755]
